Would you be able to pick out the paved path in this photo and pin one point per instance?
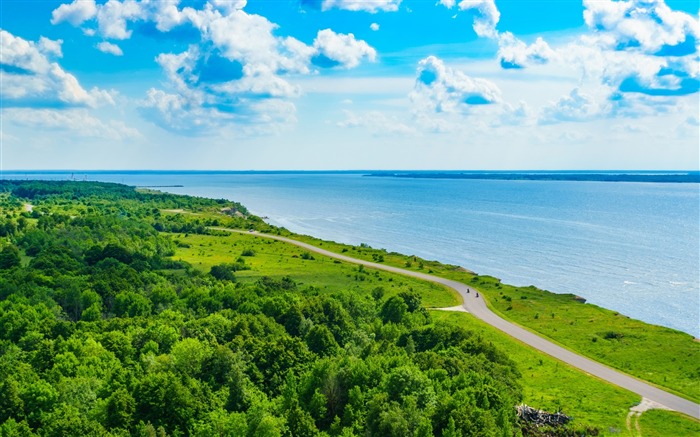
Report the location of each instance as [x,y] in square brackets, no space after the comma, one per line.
[477,307]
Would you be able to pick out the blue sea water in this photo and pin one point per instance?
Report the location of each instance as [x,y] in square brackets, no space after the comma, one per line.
[630,247]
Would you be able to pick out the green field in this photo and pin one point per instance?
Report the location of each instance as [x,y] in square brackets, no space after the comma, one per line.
[275,258]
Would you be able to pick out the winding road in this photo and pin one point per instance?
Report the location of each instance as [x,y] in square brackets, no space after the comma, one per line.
[477,307]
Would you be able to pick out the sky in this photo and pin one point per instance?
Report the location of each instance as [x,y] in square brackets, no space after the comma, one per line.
[349,84]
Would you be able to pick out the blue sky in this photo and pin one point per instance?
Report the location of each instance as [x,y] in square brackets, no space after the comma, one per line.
[349,84]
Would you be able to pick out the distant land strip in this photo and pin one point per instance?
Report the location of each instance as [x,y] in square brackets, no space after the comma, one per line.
[658,177]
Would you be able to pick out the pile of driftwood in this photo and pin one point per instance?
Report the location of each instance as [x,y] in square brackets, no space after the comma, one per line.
[539,417]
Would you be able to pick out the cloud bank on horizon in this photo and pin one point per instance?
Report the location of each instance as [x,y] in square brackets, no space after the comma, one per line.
[350,84]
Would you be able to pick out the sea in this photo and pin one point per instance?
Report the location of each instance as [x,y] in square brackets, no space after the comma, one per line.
[628,246]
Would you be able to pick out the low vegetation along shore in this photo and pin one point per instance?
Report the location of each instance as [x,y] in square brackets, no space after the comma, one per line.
[125,312]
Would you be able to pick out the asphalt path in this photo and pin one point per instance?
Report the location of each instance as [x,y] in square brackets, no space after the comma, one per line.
[477,307]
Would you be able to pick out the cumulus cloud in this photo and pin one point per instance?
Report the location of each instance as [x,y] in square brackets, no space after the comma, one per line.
[486,18]
[649,25]
[659,44]
[238,71]
[337,49]
[377,122]
[227,6]
[239,75]
[374,26]
[114,16]
[440,89]
[518,115]
[514,53]
[640,54]
[50,47]
[576,106]
[75,13]
[212,90]
[194,115]
[371,6]
[76,121]
[31,77]
[108,47]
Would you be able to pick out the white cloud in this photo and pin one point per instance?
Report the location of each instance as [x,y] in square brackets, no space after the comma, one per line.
[371,6]
[637,47]
[374,26]
[227,6]
[113,16]
[514,53]
[189,115]
[341,50]
[76,121]
[486,18]
[649,25]
[518,115]
[166,14]
[576,106]
[213,91]
[377,122]
[249,39]
[31,78]
[638,59]
[108,47]
[440,89]
[239,71]
[75,13]
[50,47]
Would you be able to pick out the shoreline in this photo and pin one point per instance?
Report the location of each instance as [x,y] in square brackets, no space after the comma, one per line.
[585,176]
[579,294]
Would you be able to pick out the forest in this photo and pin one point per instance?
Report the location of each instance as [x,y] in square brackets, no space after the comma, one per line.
[103,332]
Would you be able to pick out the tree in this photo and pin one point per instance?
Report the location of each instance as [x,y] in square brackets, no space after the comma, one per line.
[321,341]
[222,272]
[393,310]
[120,409]
[132,304]
[9,257]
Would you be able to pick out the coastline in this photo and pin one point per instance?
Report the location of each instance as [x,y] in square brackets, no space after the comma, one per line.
[581,176]
[621,246]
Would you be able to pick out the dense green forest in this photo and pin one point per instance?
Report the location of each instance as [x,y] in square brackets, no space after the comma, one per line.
[104,332]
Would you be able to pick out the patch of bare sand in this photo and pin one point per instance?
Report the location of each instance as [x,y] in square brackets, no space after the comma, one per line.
[458,308]
[637,411]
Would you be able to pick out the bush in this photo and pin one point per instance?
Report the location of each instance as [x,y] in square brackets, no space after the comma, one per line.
[222,272]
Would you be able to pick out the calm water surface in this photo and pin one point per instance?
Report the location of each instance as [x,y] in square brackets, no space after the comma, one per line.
[631,247]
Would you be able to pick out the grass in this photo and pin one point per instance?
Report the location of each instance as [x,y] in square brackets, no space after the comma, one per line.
[278,259]
[660,355]
[660,423]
